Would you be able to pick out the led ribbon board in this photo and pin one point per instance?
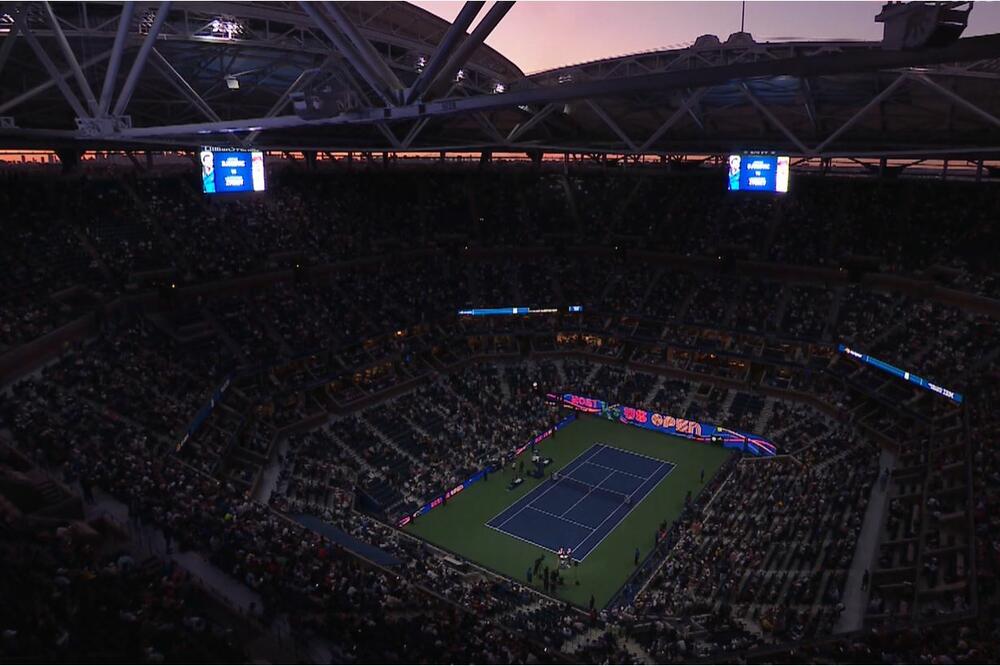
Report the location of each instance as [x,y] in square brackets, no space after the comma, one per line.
[955,397]
[506,312]
[694,430]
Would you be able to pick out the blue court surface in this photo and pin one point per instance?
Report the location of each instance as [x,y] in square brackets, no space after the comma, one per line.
[584,502]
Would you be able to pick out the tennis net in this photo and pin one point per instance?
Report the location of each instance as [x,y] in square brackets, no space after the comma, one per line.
[588,488]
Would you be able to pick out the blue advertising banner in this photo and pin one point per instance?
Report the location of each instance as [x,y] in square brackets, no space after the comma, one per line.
[954,396]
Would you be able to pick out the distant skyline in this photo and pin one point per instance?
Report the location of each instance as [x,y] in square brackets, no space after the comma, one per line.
[545,34]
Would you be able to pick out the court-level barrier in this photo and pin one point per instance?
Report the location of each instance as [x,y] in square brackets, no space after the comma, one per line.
[642,418]
[403,521]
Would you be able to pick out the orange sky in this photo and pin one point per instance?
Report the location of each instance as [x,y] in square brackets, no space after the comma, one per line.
[545,34]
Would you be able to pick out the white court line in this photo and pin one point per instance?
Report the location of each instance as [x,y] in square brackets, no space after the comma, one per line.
[519,538]
[620,471]
[626,514]
[639,455]
[549,513]
[600,446]
[592,489]
[546,491]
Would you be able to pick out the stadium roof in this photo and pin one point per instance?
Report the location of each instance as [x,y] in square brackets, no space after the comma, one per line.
[389,76]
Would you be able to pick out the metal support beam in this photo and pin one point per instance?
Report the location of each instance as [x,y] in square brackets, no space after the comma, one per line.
[875,101]
[772,118]
[140,59]
[684,108]
[345,49]
[365,49]
[54,74]
[489,128]
[809,101]
[301,80]
[445,48]
[42,87]
[74,64]
[389,134]
[111,75]
[819,65]
[471,43]
[411,136]
[610,122]
[8,42]
[956,98]
[521,128]
[183,87]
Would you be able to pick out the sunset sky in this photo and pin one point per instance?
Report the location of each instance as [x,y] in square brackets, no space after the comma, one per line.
[541,35]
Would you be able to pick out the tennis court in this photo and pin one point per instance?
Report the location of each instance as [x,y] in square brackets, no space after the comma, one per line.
[584,503]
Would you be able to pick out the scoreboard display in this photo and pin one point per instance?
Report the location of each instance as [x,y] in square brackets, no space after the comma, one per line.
[758,173]
[224,170]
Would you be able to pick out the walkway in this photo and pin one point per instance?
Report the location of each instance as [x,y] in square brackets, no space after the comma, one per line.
[149,541]
[865,553]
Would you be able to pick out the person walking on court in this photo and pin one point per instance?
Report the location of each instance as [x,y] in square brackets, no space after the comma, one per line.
[703,475]
[637,556]
[591,602]
[528,575]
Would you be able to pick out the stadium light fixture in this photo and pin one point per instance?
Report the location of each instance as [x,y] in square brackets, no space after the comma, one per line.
[146,22]
[232,83]
[226,27]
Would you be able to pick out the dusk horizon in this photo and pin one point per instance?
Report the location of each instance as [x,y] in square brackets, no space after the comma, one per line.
[545,34]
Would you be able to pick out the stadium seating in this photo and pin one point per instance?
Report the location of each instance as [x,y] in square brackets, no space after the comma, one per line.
[223,369]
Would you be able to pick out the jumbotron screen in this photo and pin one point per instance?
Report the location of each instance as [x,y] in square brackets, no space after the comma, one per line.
[758,173]
[224,170]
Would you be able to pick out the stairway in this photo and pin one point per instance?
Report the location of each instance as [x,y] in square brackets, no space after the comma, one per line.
[765,415]
[504,385]
[561,371]
[352,452]
[391,443]
[831,321]
[725,409]
[651,395]
[782,305]
[686,405]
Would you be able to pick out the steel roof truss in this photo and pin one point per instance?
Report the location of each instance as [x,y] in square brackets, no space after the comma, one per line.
[140,59]
[183,87]
[117,49]
[347,51]
[445,48]
[860,113]
[70,57]
[684,108]
[541,115]
[772,118]
[956,98]
[365,49]
[54,75]
[610,122]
